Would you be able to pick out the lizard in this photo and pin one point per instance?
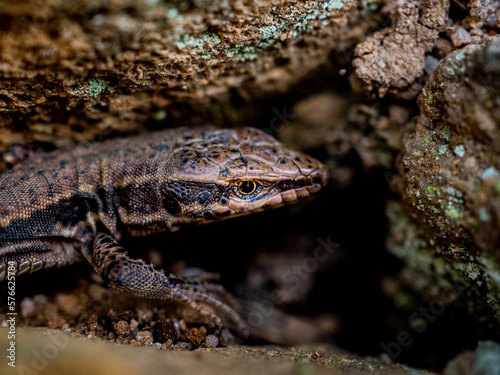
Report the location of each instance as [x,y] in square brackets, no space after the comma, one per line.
[72,205]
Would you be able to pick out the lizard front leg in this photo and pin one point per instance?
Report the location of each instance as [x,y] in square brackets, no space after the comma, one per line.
[139,278]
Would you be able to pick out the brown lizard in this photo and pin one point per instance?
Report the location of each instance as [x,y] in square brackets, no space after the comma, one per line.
[70,205]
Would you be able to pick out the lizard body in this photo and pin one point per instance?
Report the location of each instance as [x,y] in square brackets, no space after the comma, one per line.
[71,205]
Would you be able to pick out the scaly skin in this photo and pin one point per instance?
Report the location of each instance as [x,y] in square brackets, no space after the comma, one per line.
[70,205]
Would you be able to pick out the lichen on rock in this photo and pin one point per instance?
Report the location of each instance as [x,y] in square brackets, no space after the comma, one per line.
[451,168]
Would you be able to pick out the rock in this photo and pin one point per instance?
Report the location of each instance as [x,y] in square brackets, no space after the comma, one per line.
[393,59]
[124,63]
[485,360]
[460,37]
[47,352]
[451,168]
[486,10]
[423,267]
[142,338]
[27,307]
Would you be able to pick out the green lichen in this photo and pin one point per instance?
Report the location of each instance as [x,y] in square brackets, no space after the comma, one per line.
[97,86]
[490,269]
[188,41]
[295,22]
[211,37]
[160,115]
[332,5]
[470,269]
[427,140]
[429,100]
[416,153]
[484,214]
[369,6]
[271,35]
[446,133]
[271,32]
[453,192]
[442,149]
[453,213]
[208,40]
[422,270]
[244,53]
[303,21]
[460,56]
[172,13]
[431,192]
[489,173]
[459,150]
[497,187]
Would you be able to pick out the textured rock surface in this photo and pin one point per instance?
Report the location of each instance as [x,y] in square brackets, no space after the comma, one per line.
[46,352]
[394,58]
[451,165]
[486,11]
[445,289]
[95,68]
[485,360]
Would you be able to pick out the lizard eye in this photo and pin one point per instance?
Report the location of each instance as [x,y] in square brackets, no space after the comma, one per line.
[247,187]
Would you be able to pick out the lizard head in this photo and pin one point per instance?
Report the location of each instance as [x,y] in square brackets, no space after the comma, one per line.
[222,173]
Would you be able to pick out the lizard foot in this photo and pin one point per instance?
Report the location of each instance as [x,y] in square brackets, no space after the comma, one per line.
[141,279]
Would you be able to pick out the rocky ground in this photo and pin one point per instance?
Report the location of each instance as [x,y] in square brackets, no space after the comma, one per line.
[399,99]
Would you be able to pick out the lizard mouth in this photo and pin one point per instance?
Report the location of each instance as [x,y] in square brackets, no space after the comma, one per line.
[295,190]
[288,191]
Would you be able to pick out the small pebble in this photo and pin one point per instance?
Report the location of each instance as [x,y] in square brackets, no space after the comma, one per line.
[133,324]
[460,37]
[122,328]
[211,341]
[169,344]
[182,346]
[227,336]
[431,63]
[68,304]
[143,338]
[182,325]
[27,307]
